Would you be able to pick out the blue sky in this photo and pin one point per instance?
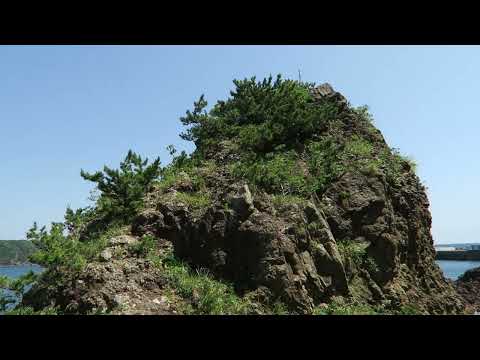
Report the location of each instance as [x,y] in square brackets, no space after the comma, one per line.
[63,108]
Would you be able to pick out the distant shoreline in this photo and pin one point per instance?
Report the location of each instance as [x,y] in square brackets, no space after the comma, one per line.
[16,252]
[458,255]
[17,263]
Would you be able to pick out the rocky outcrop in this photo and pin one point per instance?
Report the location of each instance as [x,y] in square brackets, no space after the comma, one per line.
[468,286]
[118,283]
[284,253]
[290,251]
[364,237]
[394,224]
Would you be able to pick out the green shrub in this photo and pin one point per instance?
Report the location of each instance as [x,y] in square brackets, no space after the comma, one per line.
[281,133]
[184,168]
[279,308]
[354,307]
[356,252]
[145,246]
[344,195]
[358,155]
[261,114]
[278,173]
[194,201]
[205,294]
[26,310]
[364,114]
[57,250]
[358,148]
[122,190]
[370,264]
[408,310]
[347,308]
[79,221]
[324,163]
[280,201]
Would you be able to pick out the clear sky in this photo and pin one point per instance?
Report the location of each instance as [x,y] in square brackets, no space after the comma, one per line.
[63,108]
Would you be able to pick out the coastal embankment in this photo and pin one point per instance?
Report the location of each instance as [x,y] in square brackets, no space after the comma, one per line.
[469,255]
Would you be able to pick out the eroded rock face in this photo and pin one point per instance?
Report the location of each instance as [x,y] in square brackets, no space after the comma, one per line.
[395,224]
[119,283]
[468,286]
[292,255]
[292,252]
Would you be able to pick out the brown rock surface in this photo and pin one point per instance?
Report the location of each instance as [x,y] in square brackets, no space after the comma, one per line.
[296,250]
[468,286]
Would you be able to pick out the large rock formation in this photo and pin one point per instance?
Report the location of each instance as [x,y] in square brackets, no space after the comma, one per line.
[285,252]
[290,251]
[365,237]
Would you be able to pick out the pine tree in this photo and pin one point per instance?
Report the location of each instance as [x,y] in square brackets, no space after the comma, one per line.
[122,190]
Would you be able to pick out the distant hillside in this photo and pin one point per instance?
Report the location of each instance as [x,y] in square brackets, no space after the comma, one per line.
[15,251]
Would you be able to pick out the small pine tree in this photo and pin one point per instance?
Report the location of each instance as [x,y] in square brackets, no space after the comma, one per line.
[122,190]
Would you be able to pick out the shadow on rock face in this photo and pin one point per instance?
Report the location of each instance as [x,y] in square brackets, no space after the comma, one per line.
[256,249]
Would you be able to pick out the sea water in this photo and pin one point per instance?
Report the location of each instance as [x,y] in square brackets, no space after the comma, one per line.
[15,271]
[454,269]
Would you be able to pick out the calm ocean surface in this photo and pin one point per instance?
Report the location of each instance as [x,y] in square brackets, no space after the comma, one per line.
[454,269]
[15,271]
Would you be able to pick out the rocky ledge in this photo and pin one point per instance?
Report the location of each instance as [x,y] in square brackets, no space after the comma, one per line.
[119,281]
[468,286]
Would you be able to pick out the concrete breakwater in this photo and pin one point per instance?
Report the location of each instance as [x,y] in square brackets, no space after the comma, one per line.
[457,255]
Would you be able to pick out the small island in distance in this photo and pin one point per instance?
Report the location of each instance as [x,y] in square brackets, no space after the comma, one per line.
[14,252]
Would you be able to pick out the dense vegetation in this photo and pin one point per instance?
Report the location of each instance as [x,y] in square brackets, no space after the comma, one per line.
[286,145]
[286,142]
[70,245]
[15,251]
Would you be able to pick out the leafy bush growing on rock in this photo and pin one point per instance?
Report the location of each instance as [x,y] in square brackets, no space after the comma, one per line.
[145,246]
[60,251]
[206,295]
[122,190]
[347,308]
[353,307]
[277,173]
[26,310]
[364,114]
[183,171]
[195,201]
[262,115]
[55,249]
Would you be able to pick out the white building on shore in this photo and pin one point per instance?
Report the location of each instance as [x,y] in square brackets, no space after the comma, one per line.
[445,248]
